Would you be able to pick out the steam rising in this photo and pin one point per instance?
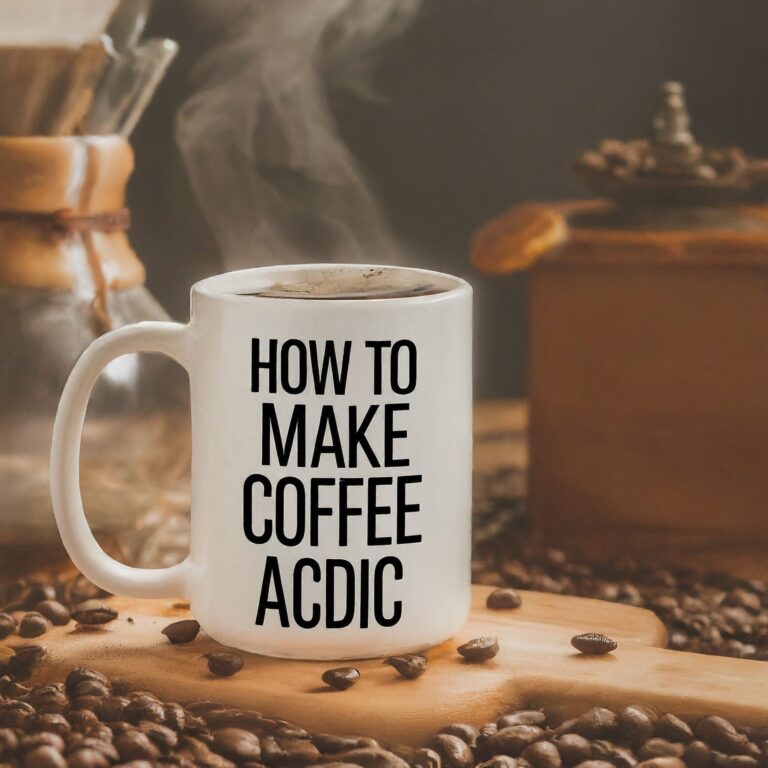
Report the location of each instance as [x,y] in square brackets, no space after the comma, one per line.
[272,175]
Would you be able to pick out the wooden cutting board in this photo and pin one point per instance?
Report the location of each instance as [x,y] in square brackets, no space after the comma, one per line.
[536,666]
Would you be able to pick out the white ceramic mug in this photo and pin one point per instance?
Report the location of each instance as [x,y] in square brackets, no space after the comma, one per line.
[331,462]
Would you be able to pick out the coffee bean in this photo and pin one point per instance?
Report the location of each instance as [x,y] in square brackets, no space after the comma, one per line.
[184,631]
[101,745]
[744,598]
[80,674]
[341,678]
[620,757]
[80,589]
[93,613]
[503,598]
[48,698]
[9,742]
[38,592]
[721,735]
[196,752]
[593,644]
[516,573]
[54,611]
[542,754]
[479,649]
[12,689]
[454,752]
[44,757]
[196,726]
[596,723]
[33,624]
[52,722]
[409,666]
[175,717]
[697,755]
[332,764]
[565,727]
[87,758]
[660,748]
[636,724]
[467,733]
[42,739]
[90,688]
[286,730]
[101,732]
[135,745]
[405,752]
[329,742]
[7,625]
[513,739]
[424,758]
[236,744]
[573,748]
[110,709]
[673,728]
[595,764]
[289,752]
[737,761]
[662,762]
[12,595]
[369,757]
[30,654]
[224,664]
[15,714]
[145,708]
[87,702]
[120,726]
[499,761]
[160,735]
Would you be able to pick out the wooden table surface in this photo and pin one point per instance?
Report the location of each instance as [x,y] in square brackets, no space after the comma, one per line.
[536,666]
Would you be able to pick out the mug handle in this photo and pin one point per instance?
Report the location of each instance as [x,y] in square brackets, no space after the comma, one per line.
[170,339]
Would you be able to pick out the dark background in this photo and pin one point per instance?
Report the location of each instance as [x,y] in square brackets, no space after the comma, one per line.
[485,102]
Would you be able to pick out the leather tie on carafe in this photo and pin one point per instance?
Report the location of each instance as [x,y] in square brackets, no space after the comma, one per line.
[63,219]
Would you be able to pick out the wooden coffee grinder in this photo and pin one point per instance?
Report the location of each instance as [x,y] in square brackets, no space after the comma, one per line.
[648,350]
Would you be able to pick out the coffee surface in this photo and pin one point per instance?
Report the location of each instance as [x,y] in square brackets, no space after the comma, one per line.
[323,284]
[320,293]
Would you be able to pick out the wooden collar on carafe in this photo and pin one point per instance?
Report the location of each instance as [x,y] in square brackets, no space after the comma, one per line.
[63,219]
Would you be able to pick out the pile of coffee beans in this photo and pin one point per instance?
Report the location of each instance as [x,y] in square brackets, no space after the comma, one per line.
[704,612]
[88,721]
[30,607]
[634,737]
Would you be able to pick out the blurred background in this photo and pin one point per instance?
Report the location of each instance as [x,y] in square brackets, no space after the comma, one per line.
[476,104]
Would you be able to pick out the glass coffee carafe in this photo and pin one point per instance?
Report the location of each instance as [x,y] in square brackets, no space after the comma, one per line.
[67,275]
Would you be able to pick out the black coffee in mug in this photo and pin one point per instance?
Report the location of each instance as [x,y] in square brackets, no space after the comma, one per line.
[325,285]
